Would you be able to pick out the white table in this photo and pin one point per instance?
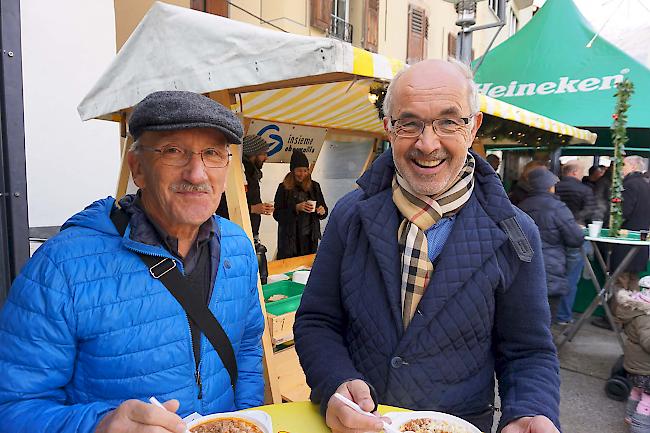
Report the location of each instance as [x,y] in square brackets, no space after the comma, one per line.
[605,292]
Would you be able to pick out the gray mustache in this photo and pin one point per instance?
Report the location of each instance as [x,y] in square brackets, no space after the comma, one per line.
[438,154]
[189,187]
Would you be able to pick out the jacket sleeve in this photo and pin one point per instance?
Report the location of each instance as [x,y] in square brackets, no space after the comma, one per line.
[321,321]
[643,325]
[590,210]
[37,355]
[284,211]
[570,231]
[630,196]
[527,366]
[320,200]
[249,391]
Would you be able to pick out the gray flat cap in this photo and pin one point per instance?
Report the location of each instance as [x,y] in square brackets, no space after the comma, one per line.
[173,110]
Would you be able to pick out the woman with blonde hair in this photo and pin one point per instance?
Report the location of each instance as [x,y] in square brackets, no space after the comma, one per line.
[299,208]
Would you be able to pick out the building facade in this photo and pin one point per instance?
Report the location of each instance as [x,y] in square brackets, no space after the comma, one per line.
[407,30]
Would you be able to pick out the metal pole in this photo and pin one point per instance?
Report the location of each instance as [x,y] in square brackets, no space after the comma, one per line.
[555,161]
[14,229]
[465,46]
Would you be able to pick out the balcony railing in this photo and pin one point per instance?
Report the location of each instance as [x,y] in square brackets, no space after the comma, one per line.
[341,29]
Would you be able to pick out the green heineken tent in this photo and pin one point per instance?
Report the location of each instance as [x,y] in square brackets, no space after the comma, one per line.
[547,68]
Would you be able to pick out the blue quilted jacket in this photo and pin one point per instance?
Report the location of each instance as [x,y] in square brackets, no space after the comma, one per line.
[86,327]
[558,231]
[485,309]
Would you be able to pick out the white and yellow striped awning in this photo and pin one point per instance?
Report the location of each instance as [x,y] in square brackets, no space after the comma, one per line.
[344,105]
[281,76]
[507,111]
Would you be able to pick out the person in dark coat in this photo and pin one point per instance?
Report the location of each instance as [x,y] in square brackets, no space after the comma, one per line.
[636,216]
[429,283]
[255,152]
[581,201]
[297,216]
[520,190]
[578,197]
[595,173]
[557,228]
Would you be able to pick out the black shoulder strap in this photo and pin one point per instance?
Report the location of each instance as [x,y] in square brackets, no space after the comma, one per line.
[518,239]
[165,270]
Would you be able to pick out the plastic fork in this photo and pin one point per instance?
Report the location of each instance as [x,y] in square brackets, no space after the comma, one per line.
[155,402]
[387,427]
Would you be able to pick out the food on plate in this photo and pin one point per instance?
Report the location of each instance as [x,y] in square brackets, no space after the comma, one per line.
[428,425]
[226,425]
[277,297]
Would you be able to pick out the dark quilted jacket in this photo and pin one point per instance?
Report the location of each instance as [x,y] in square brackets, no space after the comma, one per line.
[580,200]
[485,310]
[558,231]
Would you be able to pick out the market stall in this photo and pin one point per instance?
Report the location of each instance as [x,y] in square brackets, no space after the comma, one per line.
[267,76]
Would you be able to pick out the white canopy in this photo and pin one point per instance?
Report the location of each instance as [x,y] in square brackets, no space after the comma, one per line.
[183,49]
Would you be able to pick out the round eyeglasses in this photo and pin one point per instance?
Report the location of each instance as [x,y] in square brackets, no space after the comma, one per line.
[412,127]
[176,156]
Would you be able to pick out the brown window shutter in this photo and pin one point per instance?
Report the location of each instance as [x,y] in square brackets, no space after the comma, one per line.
[214,7]
[371,36]
[451,45]
[417,33]
[321,14]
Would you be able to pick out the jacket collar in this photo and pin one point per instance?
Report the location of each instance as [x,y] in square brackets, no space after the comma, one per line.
[464,252]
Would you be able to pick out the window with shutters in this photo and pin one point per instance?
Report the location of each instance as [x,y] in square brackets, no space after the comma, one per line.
[321,14]
[418,33]
[341,27]
[214,7]
[371,24]
[513,22]
[452,39]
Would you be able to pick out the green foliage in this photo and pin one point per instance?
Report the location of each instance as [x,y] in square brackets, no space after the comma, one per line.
[619,137]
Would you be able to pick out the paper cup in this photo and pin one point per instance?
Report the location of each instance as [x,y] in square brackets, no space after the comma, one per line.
[598,224]
[594,230]
[313,204]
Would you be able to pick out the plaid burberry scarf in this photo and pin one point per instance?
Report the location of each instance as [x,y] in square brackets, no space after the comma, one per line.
[420,213]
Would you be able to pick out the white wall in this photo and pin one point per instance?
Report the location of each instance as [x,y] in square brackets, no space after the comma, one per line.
[66,45]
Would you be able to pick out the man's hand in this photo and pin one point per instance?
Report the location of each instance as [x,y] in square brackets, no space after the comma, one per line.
[262,208]
[136,416]
[320,210]
[531,424]
[343,419]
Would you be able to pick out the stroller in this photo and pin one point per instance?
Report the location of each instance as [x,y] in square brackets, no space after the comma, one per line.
[618,386]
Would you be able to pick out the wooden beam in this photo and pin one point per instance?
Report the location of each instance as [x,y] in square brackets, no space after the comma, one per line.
[238,212]
[286,265]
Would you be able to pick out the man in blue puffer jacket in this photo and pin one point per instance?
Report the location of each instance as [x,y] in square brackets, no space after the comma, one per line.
[88,335]
[428,281]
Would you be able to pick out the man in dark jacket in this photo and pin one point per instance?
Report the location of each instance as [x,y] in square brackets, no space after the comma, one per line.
[428,281]
[578,197]
[255,153]
[636,216]
[581,201]
[557,228]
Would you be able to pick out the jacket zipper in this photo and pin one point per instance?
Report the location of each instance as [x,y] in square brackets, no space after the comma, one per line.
[197,373]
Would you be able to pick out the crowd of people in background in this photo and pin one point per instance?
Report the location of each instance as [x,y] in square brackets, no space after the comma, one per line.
[562,209]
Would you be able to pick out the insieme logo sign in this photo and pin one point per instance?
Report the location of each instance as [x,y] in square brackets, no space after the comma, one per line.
[563,85]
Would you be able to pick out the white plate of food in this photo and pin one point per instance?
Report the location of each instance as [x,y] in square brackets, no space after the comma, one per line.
[251,421]
[430,422]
